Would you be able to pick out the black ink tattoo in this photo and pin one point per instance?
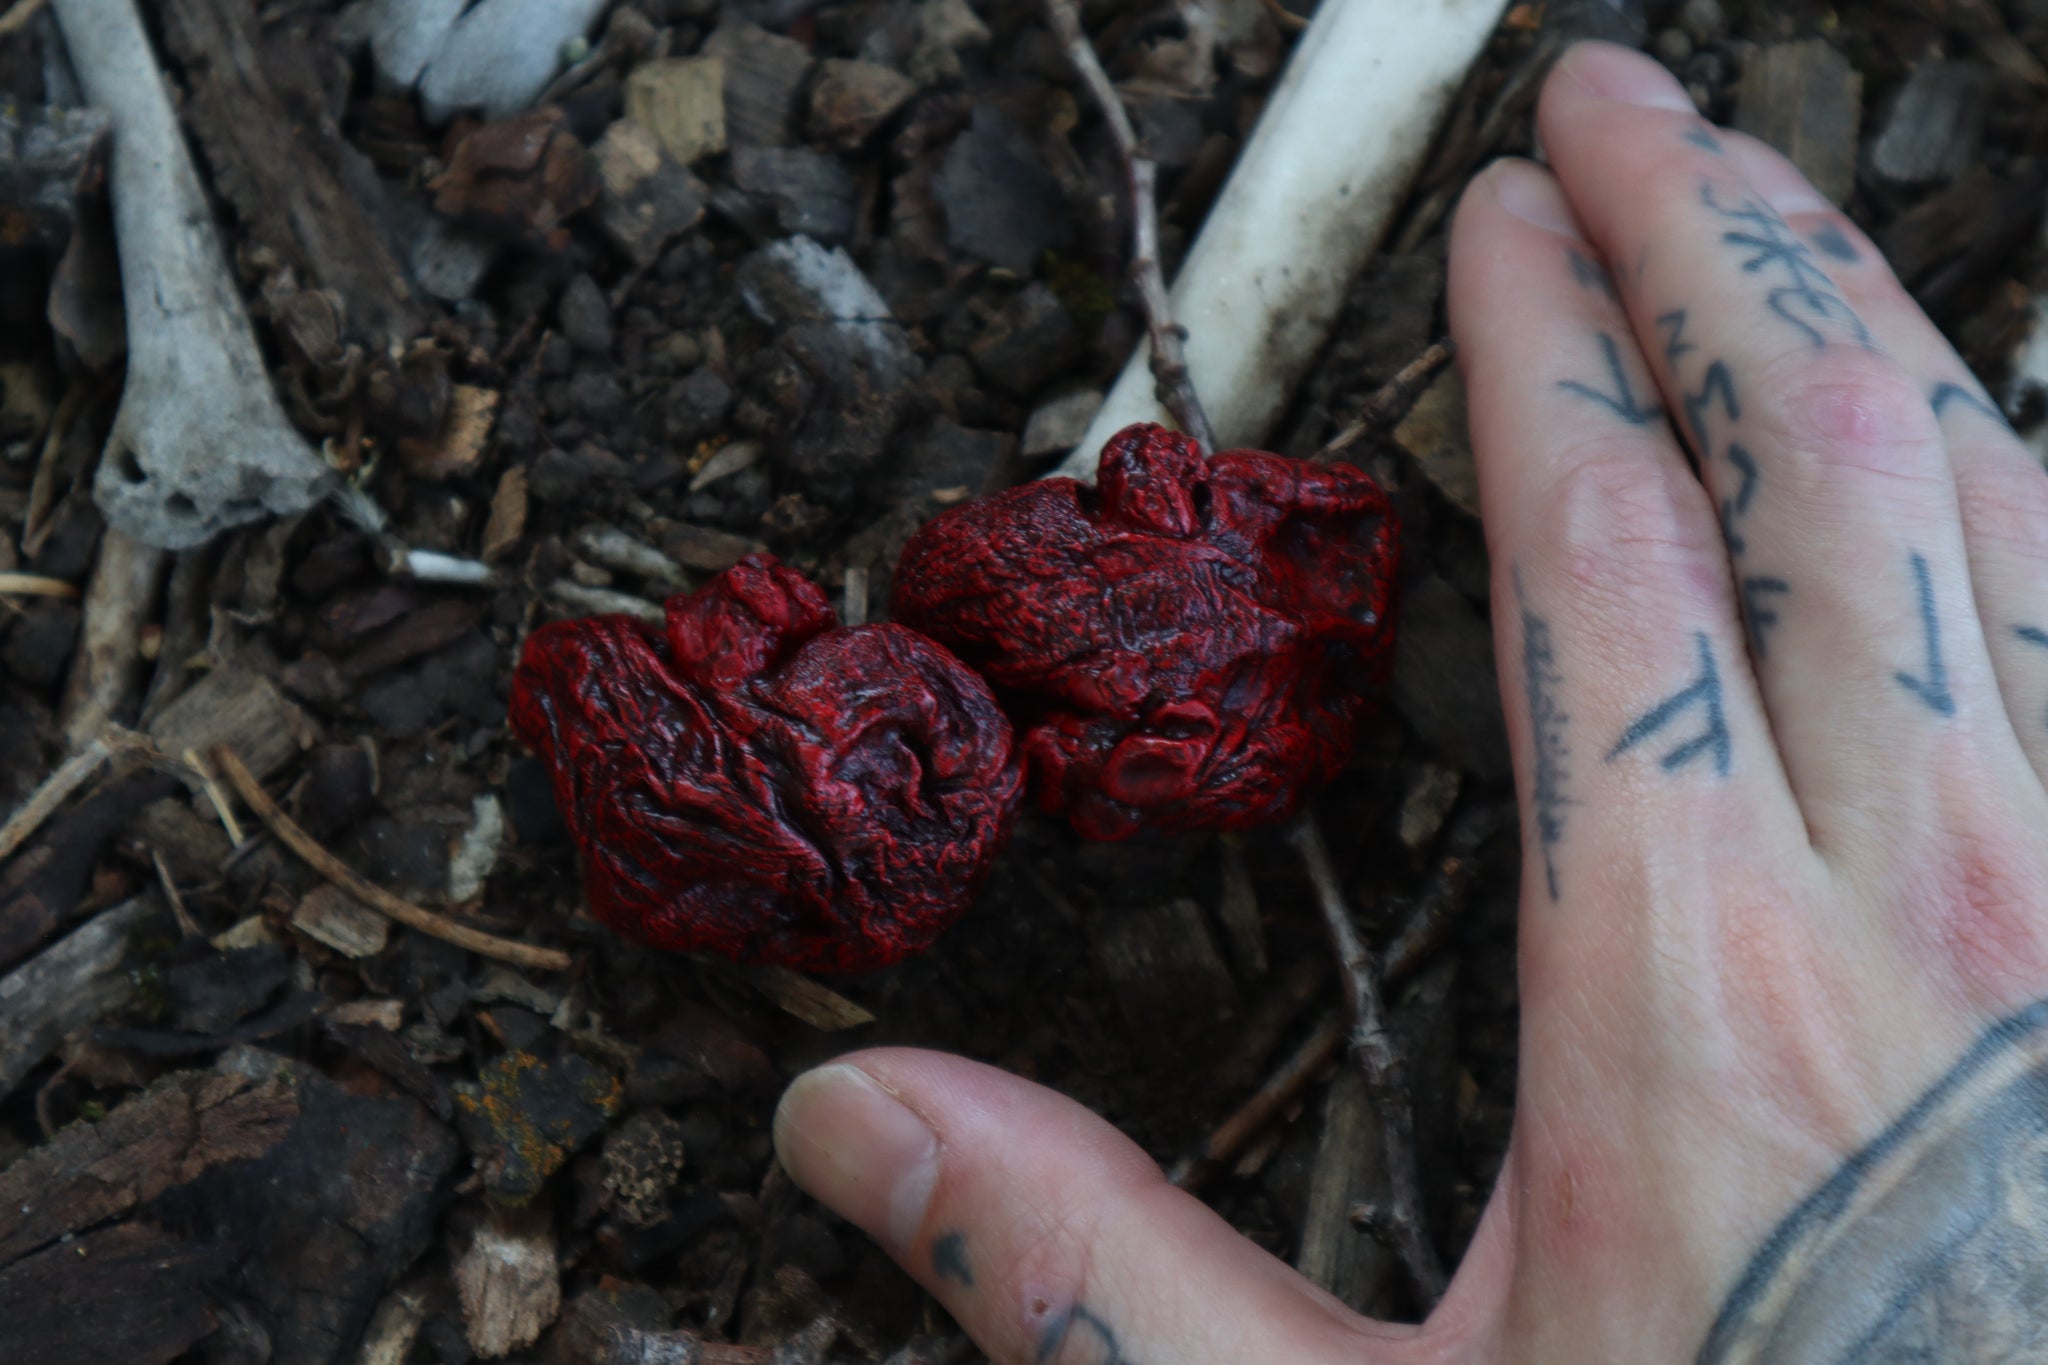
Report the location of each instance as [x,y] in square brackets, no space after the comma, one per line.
[1928,1245]
[1622,402]
[1588,272]
[1716,382]
[1704,692]
[1945,394]
[1933,688]
[1737,503]
[1834,243]
[1090,1336]
[1757,613]
[1703,139]
[949,1259]
[1540,683]
[2033,635]
[1803,294]
[1675,344]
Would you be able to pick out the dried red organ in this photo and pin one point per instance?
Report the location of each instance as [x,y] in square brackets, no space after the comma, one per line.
[1190,645]
[758,782]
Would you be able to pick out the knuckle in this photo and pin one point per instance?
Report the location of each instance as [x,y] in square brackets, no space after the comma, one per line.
[1849,416]
[1977,896]
[1623,519]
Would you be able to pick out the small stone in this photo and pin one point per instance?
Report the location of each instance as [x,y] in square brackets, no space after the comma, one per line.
[850,99]
[1057,425]
[696,407]
[681,101]
[1000,198]
[1702,20]
[1672,47]
[598,397]
[728,460]
[1029,342]
[649,199]
[585,315]
[812,194]
[38,649]
[449,261]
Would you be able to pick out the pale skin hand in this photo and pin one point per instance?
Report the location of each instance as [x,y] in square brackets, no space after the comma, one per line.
[1781,738]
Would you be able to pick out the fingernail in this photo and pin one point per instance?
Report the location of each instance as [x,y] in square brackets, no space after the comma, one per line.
[858,1150]
[1625,76]
[1532,194]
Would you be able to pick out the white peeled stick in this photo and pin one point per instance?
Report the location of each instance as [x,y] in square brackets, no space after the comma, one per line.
[200,443]
[1313,194]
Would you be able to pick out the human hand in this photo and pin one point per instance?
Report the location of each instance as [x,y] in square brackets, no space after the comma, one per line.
[1781,742]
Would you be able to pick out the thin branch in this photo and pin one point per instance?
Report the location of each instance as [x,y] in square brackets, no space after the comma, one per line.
[1385,1071]
[37,585]
[44,800]
[1169,356]
[368,892]
[1392,401]
[1280,1090]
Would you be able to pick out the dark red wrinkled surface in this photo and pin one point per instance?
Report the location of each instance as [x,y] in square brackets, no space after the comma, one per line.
[1190,645]
[760,783]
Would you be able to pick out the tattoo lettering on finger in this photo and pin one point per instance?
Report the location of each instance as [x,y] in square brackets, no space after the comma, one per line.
[1702,137]
[1622,401]
[1736,504]
[1932,686]
[1675,345]
[949,1259]
[1702,695]
[1928,1245]
[1079,1337]
[1947,395]
[1541,683]
[1589,273]
[1758,615]
[2033,635]
[1719,383]
[1802,293]
[1834,244]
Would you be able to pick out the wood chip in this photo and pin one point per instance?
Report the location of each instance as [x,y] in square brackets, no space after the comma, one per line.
[508,515]
[36,585]
[351,928]
[802,998]
[165,1136]
[508,1280]
[471,413]
[1804,99]
[74,983]
[240,706]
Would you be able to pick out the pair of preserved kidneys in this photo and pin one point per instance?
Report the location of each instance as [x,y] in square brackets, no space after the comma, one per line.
[1189,645]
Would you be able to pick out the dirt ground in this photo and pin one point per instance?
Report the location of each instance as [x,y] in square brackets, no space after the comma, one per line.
[523,352]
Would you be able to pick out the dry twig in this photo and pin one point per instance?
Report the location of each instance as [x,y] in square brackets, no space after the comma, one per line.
[1385,1071]
[44,800]
[1280,1090]
[1392,401]
[368,892]
[17,18]
[1169,356]
[36,585]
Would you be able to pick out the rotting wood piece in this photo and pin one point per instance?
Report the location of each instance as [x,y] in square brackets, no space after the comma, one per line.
[165,1136]
[68,986]
[254,102]
[131,1293]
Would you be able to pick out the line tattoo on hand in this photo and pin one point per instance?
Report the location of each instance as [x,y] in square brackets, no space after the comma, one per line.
[1834,244]
[1089,1335]
[1702,137]
[1717,382]
[1928,1245]
[1758,615]
[1803,293]
[1675,344]
[1703,693]
[1589,273]
[1736,504]
[1947,395]
[2033,635]
[1931,688]
[1540,684]
[1622,402]
[949,1259]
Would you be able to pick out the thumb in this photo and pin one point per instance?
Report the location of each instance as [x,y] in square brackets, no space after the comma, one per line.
[1049,1235]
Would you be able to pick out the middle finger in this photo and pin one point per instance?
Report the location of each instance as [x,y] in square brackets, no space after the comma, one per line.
[1822,455]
